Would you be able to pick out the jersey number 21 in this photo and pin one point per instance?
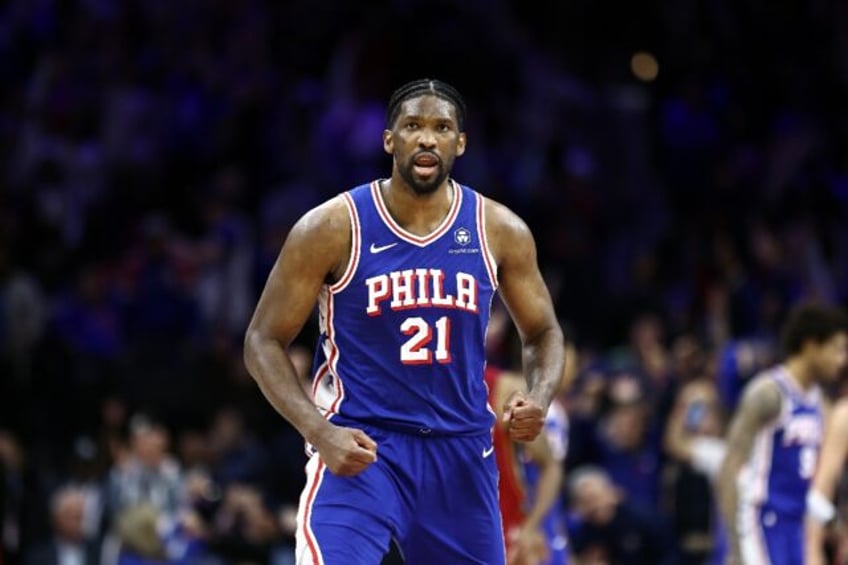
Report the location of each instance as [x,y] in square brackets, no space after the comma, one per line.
[418,349]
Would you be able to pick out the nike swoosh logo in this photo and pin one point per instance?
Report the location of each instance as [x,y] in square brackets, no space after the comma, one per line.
[487,452]
[380,249]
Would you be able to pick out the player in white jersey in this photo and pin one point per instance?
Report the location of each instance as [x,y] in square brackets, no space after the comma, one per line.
[774,439]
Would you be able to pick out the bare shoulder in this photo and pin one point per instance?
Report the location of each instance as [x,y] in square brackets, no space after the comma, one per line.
[761,401]
[326,222]
[760,404]
[323,234]
[507,233]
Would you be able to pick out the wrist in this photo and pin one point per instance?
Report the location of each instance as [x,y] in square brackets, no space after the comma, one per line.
[314,430]
[540,398]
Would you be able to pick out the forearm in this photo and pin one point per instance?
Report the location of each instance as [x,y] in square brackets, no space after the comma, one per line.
[676,440]
[543,358]
[271,368]
[547,494]
[728,501]
[814,537]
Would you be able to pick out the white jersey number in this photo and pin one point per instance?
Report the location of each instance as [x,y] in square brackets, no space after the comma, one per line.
[807,458]
[415,351]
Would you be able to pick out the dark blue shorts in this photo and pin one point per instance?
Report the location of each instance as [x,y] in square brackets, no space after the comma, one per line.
[767,538]
[436,496]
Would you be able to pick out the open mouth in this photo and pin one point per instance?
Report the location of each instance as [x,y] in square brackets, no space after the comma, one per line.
[425,164]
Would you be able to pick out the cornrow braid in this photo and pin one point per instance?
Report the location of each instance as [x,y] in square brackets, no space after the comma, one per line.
[426,86]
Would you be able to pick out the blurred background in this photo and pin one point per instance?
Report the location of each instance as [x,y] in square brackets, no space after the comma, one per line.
[683,166]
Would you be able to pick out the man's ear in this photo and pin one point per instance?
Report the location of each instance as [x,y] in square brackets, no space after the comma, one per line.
[388,142]
[460,145]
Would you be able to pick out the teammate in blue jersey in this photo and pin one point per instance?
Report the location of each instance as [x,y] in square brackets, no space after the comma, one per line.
[403,271]
[774,439]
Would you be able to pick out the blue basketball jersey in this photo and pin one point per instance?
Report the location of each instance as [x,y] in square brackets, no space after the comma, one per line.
[783,459]
[403,331]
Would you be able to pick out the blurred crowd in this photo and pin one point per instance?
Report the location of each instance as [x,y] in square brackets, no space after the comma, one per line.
[156,153]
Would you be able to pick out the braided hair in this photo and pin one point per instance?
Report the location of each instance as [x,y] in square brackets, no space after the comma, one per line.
[421,87]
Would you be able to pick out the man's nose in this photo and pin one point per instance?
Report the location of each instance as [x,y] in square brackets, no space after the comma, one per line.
[426,138]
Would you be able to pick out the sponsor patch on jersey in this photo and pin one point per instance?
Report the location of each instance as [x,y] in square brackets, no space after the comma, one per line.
[462,236]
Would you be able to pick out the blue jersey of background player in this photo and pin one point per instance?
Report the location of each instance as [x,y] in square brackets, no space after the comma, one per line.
[403,270]
[773,442]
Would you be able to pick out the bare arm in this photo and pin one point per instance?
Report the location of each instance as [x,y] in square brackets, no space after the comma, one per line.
[317,249]
[834,451]
[550,480]
[703,452]
[570,367]
[679,438]
[676,441]
[761,403]
[529,303]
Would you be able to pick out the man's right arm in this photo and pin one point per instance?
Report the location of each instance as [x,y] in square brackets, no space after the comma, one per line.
[761,403]
[316,249]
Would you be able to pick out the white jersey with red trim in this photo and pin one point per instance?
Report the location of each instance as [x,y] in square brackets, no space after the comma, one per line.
[403,331]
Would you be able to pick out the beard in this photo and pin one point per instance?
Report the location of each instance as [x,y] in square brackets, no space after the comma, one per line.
[428,186]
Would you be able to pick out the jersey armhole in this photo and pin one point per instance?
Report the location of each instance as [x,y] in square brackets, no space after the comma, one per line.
[488,260]
[355,246]
[785,403]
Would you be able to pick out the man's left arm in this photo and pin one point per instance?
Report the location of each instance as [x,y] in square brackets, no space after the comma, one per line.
[528,300]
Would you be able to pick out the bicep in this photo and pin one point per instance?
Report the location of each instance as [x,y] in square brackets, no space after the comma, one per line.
[311,253]
[521,285]
[674,440]
[760,404]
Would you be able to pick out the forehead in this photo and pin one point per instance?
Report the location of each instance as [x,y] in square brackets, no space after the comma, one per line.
[427,106]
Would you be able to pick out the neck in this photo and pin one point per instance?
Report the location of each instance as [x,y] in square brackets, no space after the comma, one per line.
[800,372]
[397,187]
[417,213]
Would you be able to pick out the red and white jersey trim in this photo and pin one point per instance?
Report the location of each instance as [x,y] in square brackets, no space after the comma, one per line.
[420,241]
[355,246]
[491,266]
[307,549]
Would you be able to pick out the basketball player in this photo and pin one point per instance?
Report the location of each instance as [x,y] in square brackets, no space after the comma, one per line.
[404,270]
[773,442]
